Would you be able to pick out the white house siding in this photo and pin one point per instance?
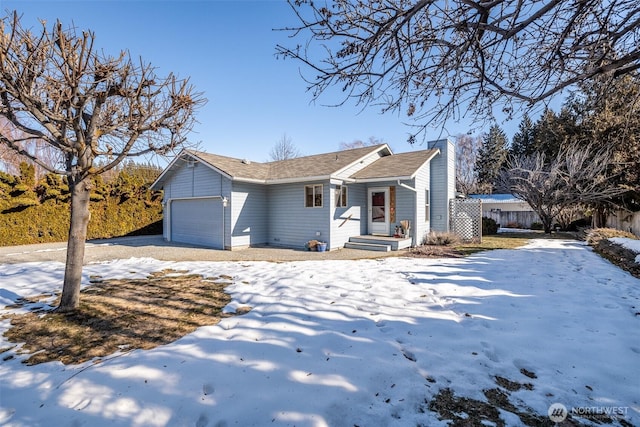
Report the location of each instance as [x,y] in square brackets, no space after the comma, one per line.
[249,215]
[349,221]
[360,165]
[192,182]
[195,181]
[443,183]
[290,223]
[405,206]
[421,184]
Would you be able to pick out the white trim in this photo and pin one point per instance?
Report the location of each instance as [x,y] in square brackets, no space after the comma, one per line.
[402,184]
[382,147]
[387,218]
[314,195]
[337,203]
[382,179]
[297,180]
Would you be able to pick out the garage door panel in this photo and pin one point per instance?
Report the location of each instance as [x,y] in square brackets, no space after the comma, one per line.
[197,221]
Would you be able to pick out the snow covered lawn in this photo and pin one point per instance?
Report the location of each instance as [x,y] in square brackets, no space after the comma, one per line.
[346,343]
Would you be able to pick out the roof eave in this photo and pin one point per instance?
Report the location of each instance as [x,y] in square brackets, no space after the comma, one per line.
[382,178]
[298,179]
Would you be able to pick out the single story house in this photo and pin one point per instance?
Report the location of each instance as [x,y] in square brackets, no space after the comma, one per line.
[229,203]
[507,210]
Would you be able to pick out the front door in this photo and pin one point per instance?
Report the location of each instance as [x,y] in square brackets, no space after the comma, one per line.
[379,211]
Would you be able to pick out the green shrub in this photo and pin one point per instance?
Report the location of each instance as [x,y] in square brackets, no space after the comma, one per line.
[489,226]
[537,226]
[7,179]
[24,202]
[39,216]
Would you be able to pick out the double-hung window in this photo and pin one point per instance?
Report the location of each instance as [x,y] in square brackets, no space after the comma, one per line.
[426,206]
[313,196]
[341,196]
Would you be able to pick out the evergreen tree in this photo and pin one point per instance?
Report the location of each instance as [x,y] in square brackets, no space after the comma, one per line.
[492,157]
[555,132]
[523,140]
[608,114]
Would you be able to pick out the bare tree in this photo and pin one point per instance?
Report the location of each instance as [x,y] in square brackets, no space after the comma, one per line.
[10,158]
[576,176]
[284,149]
[467,56]
[96,110]
[467,147]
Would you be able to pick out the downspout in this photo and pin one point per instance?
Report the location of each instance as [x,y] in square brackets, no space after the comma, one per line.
[225,202]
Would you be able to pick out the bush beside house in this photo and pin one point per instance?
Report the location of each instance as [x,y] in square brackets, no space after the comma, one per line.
[37,211]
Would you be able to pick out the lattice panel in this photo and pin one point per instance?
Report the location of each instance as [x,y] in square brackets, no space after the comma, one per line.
[466,218]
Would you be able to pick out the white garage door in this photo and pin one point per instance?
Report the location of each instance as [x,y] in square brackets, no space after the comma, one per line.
[197,221]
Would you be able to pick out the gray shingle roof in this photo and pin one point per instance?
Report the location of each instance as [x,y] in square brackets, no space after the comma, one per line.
[319,165]
[235,168]
[398,165]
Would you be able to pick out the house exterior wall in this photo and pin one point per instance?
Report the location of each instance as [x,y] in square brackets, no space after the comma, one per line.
[191,182]
[510,207]
[249,215]
[405,205]
[508,213]
[422,183]
[290,223]
[443,183]
[351,220]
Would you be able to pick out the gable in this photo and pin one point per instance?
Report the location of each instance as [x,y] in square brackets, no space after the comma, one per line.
[397,166]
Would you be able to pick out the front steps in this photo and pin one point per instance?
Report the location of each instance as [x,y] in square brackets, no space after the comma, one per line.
[378,243]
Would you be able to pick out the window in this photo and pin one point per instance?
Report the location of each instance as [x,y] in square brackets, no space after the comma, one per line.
[313,196]
[426,206]
[341,196]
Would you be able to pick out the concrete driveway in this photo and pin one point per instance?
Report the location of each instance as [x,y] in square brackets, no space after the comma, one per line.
[156,247]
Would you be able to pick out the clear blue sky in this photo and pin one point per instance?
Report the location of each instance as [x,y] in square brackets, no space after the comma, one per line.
[227,49]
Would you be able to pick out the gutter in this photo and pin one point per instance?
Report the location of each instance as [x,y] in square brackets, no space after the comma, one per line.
[402,184]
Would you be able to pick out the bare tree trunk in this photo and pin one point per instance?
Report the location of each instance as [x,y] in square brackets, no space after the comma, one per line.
[75,244]
[599,217]
[547,223]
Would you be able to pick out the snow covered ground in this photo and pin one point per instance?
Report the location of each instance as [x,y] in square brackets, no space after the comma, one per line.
[344,343]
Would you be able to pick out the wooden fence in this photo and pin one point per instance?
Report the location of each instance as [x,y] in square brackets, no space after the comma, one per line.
[626,221]
[504,218]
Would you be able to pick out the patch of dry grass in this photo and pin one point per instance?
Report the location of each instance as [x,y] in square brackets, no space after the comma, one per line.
[121,315]
[463,411]
[491,242]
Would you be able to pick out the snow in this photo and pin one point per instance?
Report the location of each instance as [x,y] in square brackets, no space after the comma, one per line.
[631,244]
[343,343]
